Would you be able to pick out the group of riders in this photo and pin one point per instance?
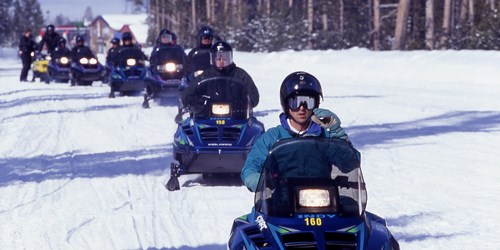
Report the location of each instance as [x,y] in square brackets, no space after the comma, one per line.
[300,92]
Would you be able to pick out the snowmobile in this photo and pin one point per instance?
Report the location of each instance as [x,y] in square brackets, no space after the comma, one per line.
[217,136]
[128,72]
[304,201]
[59,68]
[167,71]
[39,67]
[85,68]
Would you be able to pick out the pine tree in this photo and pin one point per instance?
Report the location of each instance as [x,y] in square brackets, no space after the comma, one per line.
[5,22]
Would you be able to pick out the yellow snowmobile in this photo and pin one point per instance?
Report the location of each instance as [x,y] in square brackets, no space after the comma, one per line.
[40,67]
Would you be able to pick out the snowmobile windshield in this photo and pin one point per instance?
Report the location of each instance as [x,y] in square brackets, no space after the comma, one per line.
[167,54]
[132,56]
[306,175]
[214,96]
[84,52]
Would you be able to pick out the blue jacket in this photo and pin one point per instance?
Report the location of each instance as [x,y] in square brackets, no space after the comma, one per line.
[253,165]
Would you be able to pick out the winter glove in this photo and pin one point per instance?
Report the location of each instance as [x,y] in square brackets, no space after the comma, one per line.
[328,120]
[183,85]
[251,181]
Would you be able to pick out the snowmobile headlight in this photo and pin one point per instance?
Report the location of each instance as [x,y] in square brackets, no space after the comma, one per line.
[64,60]
[170,67]
[93,61]
[220,109]
[314,198]
[131,62]
[84,60]
[32,54]
[48,58]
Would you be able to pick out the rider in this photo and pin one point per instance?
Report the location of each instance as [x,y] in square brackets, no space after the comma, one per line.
[166,39]
[221,59]
[61,49]
[300,95]
[80,50]
[199,58]
[115,43]
[50,39]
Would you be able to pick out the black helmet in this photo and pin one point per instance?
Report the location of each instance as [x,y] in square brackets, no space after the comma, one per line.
[221,52]
[62,40]
[79,39]
[165,37]
[127,36]
[300,83]
[206,32]
[50,28]
[115,41]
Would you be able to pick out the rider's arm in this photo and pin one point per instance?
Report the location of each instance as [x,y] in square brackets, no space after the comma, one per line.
[250,172]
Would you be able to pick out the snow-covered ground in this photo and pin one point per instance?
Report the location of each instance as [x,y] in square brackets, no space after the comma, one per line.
[81,171]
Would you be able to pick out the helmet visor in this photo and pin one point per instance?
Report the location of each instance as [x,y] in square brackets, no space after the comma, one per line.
[308,102]
[222,59]
[166,38]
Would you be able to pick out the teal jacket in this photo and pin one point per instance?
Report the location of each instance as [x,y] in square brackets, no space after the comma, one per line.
[253,165]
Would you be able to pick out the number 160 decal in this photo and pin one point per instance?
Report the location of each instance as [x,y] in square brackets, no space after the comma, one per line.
[313,221]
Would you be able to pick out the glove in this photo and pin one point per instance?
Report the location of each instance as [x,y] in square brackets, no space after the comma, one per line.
[328,120]
[183,85]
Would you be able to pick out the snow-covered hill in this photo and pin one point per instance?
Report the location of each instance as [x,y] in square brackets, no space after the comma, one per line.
[81,171]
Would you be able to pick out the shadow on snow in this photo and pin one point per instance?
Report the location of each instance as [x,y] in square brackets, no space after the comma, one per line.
[453,122]
[74,165]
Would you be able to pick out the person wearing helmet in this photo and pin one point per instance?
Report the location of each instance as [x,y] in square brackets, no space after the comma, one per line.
[300,96]
[61,49]
[221,60]
[80,50]
[166,40]
[115,43]
[127,43]
[49,39]
[26,47]
[198,59]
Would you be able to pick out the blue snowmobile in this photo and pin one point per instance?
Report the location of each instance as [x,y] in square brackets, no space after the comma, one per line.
[129,71]
[217,136]
[85,68]
[303,201]
[59,68]
[167,70]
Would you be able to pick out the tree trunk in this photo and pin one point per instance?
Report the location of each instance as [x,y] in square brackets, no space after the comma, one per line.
[446,23]
[401,23]
[471,12]
[376,24]
[341,17]
[193,14]
[208,3]
[429,24]
[463,11]
[310,19]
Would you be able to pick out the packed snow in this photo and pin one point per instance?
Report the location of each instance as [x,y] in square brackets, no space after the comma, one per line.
[81,171]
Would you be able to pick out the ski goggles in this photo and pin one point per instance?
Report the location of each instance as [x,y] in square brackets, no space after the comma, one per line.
[308,102]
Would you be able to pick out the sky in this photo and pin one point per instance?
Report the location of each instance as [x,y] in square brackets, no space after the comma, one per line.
[81,171]
[75,9]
